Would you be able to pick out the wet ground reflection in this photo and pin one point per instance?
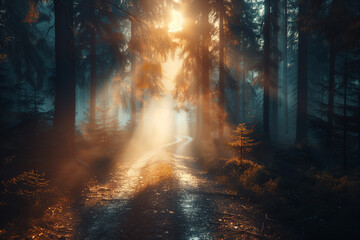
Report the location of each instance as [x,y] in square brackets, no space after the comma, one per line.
[193,206]
[163,194]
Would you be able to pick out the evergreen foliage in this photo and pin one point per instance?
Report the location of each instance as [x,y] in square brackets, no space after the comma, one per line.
[242,141]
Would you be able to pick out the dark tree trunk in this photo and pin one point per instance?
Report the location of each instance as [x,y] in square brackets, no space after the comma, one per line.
[205,75]
[237,89]
[64,116]
[358,124]
[19,105]
[331,90]
[221,73]
[243,94]
[198,94]
[358,118]
[92,77]
[286,109]
[322,81]
[266,103]
[275,74]
[133,59]
[301,120]
[198,110]
[345,116]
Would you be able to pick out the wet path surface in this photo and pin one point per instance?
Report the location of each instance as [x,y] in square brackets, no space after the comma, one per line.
[164,194]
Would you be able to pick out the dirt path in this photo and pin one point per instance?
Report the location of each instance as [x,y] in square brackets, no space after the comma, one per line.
[163,194]
[166,195]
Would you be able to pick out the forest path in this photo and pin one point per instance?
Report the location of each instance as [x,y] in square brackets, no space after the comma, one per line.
[166,195]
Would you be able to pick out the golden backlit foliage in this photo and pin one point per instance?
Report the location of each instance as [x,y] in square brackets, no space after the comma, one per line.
[28,185]
[46,220]
[151,42]
[246,174]
[149,78]
[187,81]
[57,222]
[185,90]
[242,142]
[251,177]
[160,44]
[339,187]
[32,14]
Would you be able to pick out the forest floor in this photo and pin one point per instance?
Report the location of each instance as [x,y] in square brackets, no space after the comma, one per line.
[161,195]
[303,187]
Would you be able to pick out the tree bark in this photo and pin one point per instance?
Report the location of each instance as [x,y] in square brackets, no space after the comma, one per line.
[198,110]
[358,118]
[275,75]
[285,81]
[345,116]
[64,116]
[92,77]
[237,89]
[301,119]
[330,113]
[205,74]
[198,94]
[221,71]
[266,103]
[243,94]
[133,59]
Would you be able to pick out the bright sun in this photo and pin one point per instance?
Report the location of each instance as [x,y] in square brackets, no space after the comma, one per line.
[176,22]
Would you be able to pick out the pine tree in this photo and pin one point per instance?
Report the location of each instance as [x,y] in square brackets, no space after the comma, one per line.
[242,141]
[104,132]
[106,125]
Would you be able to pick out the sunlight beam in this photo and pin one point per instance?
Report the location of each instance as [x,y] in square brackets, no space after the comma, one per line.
[177,21]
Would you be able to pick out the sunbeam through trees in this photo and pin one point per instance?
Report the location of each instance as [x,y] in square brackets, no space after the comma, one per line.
[179,119]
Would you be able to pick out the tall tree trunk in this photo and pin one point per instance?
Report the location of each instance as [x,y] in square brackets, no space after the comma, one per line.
[221,71]
[243,94]
[266,103]
[64,116]
[322,81]
[275,75]
[35,102]
[92,77]
[198,94]
[205,75]
[19,105]
[358,126]
[198,110]
[345,115]
[133,59]
[301,120]
[237,89]
[285,63]
[330,112]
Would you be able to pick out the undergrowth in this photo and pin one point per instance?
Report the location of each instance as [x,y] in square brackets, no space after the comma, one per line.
[251,177]
[296,187]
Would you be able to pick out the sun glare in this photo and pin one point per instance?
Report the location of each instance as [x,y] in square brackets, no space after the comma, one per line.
[170,69]
[176,22]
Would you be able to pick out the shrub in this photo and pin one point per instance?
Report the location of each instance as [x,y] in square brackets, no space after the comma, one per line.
[29,185]
[342,187]
[251,176]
